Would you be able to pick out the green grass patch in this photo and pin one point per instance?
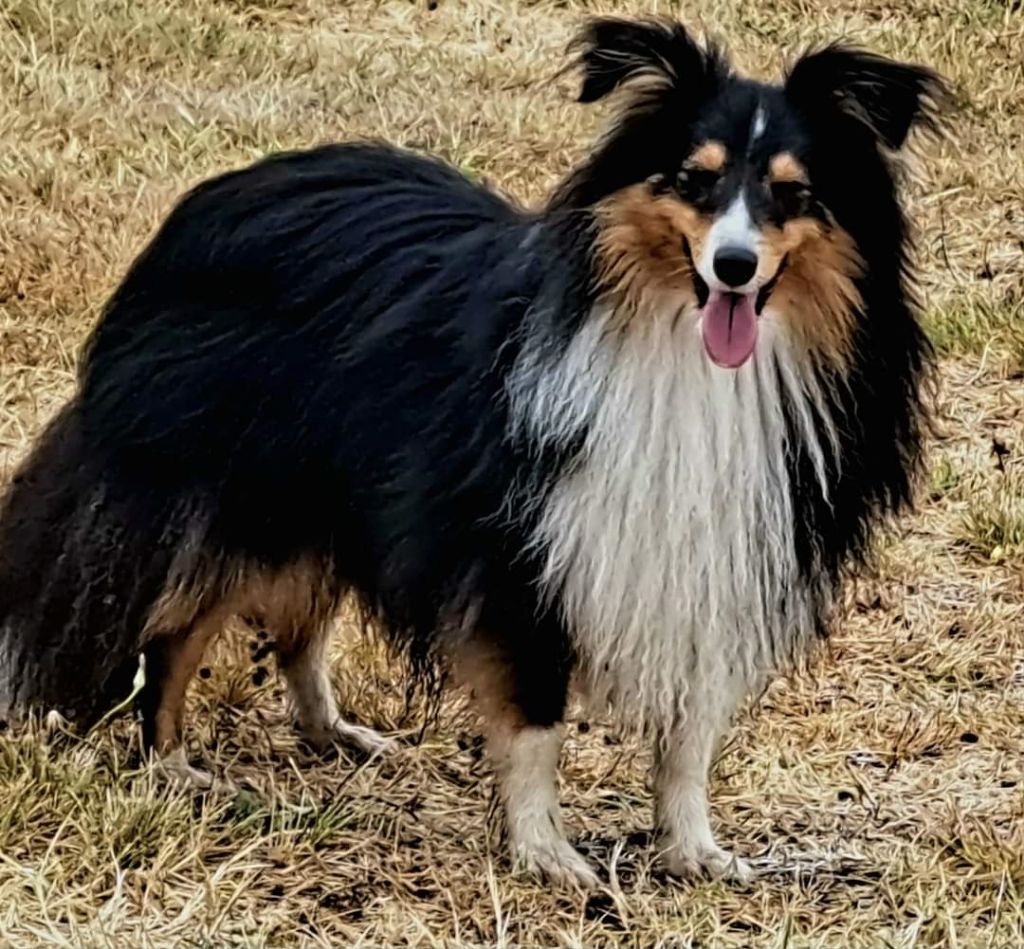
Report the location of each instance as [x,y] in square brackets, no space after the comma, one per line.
[993,524]
[972,328]
[945,479]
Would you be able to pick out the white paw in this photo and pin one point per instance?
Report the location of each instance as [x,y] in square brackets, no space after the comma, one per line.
[558,862]
[175,769]
[355,737]
[709,862]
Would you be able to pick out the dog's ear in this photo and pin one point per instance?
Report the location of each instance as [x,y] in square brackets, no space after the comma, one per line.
[888,97]
[612,53]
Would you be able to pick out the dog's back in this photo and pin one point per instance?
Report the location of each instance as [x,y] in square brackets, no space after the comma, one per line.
[209,455]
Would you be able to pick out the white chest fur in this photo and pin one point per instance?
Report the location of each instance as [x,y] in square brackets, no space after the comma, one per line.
[669,546]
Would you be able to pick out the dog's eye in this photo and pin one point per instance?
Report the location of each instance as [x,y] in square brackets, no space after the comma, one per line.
[792,198]
[696,183]
[658,184]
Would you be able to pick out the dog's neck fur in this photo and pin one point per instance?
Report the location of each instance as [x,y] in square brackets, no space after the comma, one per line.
[668,544]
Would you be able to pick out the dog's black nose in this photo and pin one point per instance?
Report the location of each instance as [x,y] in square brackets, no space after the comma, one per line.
[734,266]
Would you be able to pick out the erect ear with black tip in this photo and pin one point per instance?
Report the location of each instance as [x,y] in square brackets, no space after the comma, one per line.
[611,52]
[888,97]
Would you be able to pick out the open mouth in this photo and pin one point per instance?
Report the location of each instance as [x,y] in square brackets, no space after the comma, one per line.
[729,320]
[729,327]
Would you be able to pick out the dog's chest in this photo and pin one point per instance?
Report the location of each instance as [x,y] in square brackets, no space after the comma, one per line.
[669,545]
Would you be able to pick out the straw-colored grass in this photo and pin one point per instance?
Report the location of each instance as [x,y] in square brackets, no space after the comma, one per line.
[881,790]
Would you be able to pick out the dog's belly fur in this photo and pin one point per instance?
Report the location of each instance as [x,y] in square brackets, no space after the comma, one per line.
[669,545]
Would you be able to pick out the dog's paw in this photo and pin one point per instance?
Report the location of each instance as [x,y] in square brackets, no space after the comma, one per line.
[708,862]
[174,768]
[558,862]
[355,738]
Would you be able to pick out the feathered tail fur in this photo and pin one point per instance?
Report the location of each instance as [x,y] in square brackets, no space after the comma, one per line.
[78,576]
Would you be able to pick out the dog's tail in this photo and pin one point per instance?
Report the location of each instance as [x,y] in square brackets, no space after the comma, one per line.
[80,568]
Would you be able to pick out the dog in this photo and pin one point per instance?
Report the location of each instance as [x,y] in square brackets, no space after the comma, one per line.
[630,443]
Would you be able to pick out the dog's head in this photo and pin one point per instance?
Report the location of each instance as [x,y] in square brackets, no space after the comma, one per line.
[735,195]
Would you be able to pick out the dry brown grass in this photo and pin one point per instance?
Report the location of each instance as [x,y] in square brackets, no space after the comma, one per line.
[880,789]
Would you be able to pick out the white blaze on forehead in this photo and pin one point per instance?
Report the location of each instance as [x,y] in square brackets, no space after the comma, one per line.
[758,125]
[734,228]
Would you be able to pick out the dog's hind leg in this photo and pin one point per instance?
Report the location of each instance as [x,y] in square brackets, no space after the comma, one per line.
[303,661]
[171,660]
[521,708]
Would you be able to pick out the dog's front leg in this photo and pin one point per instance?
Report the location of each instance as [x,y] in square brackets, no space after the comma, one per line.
[686,843]
[520,709]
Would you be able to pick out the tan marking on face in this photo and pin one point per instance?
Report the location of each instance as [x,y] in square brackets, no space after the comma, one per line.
[642,259]
[640,247]
[816,295]
[711,156]
[785,167]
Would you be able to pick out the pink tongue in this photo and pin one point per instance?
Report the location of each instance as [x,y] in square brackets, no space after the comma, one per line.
[729,326]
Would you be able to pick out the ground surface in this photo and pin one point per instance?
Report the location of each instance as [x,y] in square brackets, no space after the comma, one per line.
[882,789]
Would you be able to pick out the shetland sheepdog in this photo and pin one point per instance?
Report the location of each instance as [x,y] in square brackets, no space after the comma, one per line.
[629,443]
